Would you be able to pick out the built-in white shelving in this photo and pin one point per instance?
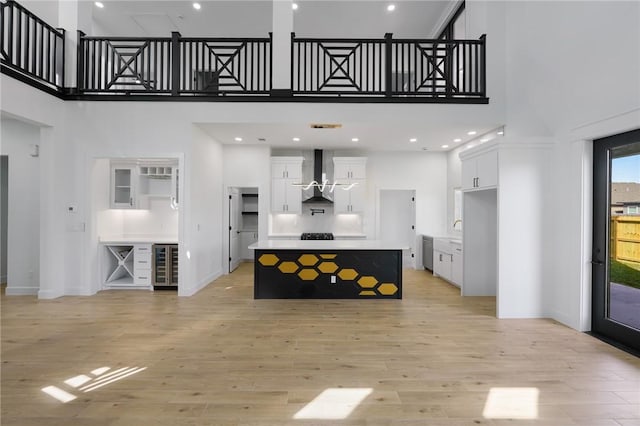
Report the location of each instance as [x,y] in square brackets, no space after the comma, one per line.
[119,265]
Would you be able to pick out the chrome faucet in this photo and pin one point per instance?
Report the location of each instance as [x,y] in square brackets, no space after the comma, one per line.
[456,222]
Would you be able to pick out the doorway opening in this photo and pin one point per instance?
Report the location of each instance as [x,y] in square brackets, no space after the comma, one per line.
[243,224]
[4,198]
[398,221]
[20,252]
[616,240]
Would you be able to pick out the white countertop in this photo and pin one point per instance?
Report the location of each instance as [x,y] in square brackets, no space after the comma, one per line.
[138,239]
[326,245]
[335,235]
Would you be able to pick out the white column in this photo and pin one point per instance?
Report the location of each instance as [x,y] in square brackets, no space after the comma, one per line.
[282,29]
[74,15]
[52,254]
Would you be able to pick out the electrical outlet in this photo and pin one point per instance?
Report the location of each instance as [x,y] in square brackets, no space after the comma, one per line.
[333,279]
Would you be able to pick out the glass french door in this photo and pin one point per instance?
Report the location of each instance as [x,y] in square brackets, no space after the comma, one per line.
[616,238]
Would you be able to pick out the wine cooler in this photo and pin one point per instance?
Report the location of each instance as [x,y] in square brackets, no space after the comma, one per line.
[165,266]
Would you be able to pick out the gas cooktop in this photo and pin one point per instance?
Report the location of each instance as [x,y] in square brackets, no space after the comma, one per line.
[316,236]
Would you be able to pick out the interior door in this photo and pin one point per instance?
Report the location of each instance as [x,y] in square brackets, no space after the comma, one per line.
[616,238]
[234,229]
[397,221]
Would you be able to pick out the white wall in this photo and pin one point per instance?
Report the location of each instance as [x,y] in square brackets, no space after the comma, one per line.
[202,250]
[23,221]
[4,192]
[524,237]
[559,86]
[46,10]
[582,68]
[424,172]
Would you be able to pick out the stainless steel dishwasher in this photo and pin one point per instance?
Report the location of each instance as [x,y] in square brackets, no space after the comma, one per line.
[427,252]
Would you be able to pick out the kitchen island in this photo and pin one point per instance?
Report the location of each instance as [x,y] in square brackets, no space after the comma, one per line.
[327,269]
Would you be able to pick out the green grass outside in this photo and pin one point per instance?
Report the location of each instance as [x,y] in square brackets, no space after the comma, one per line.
[626,273]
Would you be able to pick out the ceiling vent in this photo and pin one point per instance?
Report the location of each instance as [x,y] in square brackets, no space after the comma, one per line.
[325,126]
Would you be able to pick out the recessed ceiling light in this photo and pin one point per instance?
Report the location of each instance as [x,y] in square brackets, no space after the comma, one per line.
[445,146]
[196,6]
[296,139]
[99,4]
[294,6]
[471,133]
[457,140]
[391,8]
[501,133]
[413,140]
[354,139]
[238,139]
[484,140]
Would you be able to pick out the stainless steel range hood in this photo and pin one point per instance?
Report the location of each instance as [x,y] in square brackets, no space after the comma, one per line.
[317,197]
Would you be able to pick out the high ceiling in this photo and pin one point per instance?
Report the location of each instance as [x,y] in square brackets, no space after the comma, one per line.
[370,136]
[313,18]
[253,18]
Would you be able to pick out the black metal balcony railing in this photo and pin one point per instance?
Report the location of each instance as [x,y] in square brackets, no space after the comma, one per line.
[225,66]
[30,47]
[176,65]
[123,64]
[388,67]
[364,70]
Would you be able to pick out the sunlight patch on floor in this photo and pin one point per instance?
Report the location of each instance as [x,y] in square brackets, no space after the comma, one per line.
[59,394]
[512,403]
[333,404]
[85,383]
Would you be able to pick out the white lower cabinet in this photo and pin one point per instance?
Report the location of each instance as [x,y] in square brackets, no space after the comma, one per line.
[442,264]
[456,266]
[142,264]
[126,265]
[447,260]
[246,239]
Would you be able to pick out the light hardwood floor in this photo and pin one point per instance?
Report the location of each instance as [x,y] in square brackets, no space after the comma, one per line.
[222,358]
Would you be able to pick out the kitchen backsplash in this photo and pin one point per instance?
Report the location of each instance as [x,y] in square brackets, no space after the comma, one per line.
[319,222]
[159,220]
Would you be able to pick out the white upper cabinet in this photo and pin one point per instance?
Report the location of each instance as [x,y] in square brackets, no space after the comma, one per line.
[123,187]
[349,171]
[134,182]
[285,172]
[349,168]
[480,171]
[286,167]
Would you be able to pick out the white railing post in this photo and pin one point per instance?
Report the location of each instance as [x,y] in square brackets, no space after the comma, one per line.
[281,47]
[73,15]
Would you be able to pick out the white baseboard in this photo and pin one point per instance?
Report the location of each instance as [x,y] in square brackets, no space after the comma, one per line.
[21,291]
[524,315]
[565,319]
[49,294]
[200,285]
[78,291]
